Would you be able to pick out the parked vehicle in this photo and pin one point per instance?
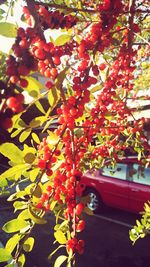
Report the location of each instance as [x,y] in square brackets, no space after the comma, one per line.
[126,186]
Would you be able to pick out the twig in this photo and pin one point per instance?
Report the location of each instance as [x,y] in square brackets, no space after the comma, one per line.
[33,12]
[148,43]
[74,9]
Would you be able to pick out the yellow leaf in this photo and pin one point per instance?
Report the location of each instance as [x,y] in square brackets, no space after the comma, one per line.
[36,218]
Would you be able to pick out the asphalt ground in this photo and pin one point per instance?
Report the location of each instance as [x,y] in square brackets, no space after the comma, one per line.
[106,238]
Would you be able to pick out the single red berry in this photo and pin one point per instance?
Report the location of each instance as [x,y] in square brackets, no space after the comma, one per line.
[79,208]
[23,83]
[102,66]
[7,123]
[80,226]
[12,102]
[53,72]
[20,97]
[49,84]
[14,79]
[39,53]
[39,205]
[56,60]
[41,164]
[49,172]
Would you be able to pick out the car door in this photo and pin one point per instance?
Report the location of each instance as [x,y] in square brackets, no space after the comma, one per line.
[114,186]
[139,187]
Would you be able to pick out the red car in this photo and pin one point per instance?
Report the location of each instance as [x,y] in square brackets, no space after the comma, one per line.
[127,186]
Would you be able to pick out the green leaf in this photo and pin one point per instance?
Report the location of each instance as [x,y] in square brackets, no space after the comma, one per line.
[24,135]
[8,29]
[15,133]
[16,195]
[62,39]
[88,211]
[108,116]
[60,260]
[29,158]
[33,174]
[60,237]
[24,215]
[12,152]
[33,84]
[12,243]
[96,88]
[21,260]
[40,107]
[35,138]
[53,204]
[3,181]
[36,218]
[20,205]
[35,123]
[50,256]
[78,39]
[5,255]
[37,192]
[11,265]
[61,78]
[2,11]
[18,122]
[15,225]
[53,96]
[13,170]
[68,264]
[28,244]
[52,138]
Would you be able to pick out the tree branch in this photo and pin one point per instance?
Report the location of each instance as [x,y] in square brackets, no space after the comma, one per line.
[33,12]
[74,9]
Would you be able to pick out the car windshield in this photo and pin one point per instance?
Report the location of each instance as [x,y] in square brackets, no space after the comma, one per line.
[119,171]
[139,174]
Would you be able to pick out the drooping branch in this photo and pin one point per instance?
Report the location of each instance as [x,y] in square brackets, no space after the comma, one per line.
[130,22]
[33,12]
[74,9]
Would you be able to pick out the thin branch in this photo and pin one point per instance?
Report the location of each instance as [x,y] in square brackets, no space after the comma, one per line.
[139,36]
[130,22]
[33,12]
[74,9]
[140,44]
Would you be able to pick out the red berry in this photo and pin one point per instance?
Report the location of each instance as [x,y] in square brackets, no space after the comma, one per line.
[7,123]
[12,102]
[80,226]
[20,97]
[23,70]
[73,112]
[41,164]
[39,53]
[49,172]
[23,83]
[56,60]
[102,66]
[79,208]
[49,84]
[14,79]
[53,72]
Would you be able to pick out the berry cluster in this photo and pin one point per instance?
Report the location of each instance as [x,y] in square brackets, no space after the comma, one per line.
[11,104]
[75,245]
[50,19]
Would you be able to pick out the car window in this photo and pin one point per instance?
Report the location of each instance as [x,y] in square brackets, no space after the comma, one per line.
[119,171]
[139,174]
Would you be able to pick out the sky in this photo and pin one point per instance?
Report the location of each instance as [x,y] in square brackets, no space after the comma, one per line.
[6,43]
